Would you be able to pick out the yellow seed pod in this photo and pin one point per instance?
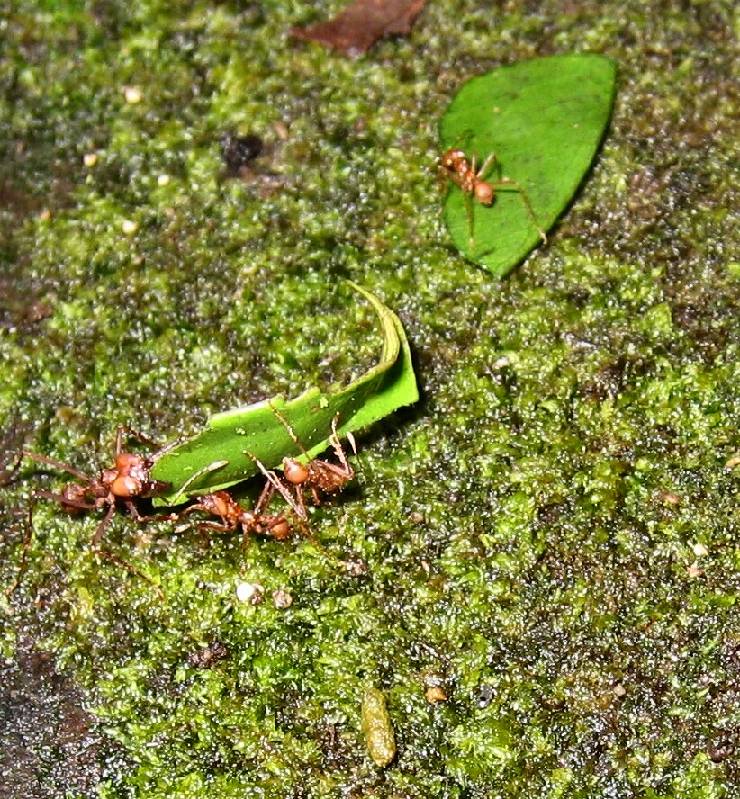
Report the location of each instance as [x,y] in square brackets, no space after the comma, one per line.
[377,728]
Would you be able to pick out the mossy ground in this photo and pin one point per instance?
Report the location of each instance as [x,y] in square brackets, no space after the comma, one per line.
[551,534]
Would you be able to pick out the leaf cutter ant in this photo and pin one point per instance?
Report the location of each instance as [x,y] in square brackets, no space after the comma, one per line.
[274,483]
[317,476]
[455,166]
[233,515]
[124,482]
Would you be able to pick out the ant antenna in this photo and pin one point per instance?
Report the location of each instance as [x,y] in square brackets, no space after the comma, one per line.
[289,430]
[64,467]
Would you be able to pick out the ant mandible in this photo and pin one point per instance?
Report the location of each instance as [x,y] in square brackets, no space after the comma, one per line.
[454,165]
[233,515]
[127,480]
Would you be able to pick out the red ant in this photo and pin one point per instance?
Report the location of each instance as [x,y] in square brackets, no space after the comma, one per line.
[233,515]
[454,165]
[318,476]
[127,480]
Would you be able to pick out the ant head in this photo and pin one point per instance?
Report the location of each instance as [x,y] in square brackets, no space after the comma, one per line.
[280,530]
[125,487]
[125,461]
[294,471]
[484,192]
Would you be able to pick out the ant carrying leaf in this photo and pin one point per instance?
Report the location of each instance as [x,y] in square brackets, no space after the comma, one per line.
[232,437]
[544,118]
[123,483]
[233,516]
[320,477]
[317,476]
[127,480]
[455,166]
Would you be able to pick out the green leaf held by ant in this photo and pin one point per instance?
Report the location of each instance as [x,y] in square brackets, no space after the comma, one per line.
[223,453]
[518,142]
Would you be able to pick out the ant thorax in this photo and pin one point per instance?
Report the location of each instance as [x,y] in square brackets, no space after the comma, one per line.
[461,172]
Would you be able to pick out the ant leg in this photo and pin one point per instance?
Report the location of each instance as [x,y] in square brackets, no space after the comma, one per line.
[298,504]
[264,498]
[485,166]
[190,509]
[104,522]
[469,212]
[306,533]
[27,539]
[104,553]
[508,183]
[303,525]
[198,506]
[65,501]
[217,527]
[64,467]
[156,517]
[119,561]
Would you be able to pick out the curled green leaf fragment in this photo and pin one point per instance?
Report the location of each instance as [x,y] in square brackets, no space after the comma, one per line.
[543,119]
[222,453]
[377,728]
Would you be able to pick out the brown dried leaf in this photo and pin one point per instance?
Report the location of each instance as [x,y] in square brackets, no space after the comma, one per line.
[356,29]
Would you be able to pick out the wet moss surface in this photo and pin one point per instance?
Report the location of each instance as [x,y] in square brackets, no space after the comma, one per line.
[549,538]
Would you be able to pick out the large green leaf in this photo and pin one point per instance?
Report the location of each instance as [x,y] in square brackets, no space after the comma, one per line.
[544,120]
[219,456]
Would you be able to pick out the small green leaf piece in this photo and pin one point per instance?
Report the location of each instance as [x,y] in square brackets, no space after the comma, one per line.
[377,728]
[221,454]
[544,120]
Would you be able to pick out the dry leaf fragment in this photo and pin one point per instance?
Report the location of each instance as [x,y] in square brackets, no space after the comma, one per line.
[356,29]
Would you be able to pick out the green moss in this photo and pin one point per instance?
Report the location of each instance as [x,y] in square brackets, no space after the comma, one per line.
[530,529]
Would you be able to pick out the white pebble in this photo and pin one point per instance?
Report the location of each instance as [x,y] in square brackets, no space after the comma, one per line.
[163,180]
[128,226]
[90,159]
[249,592]
[132,94]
